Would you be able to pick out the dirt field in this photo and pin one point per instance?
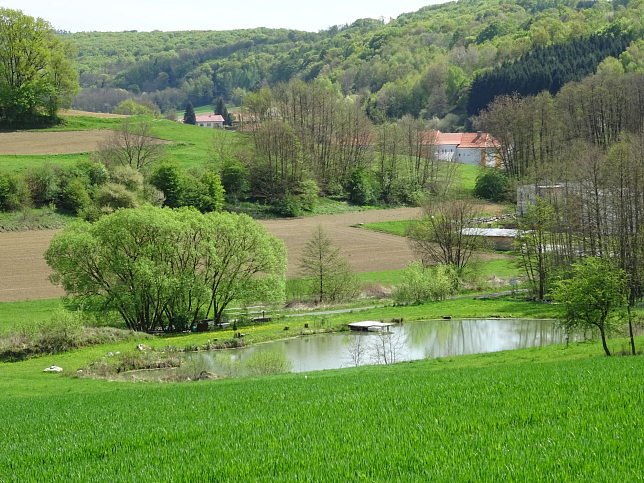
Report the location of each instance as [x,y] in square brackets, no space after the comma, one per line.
[23,271]
[102,115]
[50,142]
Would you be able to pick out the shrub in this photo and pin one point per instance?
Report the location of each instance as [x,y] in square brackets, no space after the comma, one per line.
[421,284]
[61,333]
[14,192]
[234,178]
[492,185]
[267,362]
[308,192]
[116,196]
[361,187]
[44,184]
[289,205]
[74,196]
[128,177]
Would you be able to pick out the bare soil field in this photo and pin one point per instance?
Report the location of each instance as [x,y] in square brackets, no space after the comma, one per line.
[102,115]
[55,142]
[23,271]
[52,142]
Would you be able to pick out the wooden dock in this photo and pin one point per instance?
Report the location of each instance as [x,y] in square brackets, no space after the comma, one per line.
[369,326]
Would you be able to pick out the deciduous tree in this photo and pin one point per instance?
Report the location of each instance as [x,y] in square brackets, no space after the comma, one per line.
[331,277]
[165,269]
[439,236]
[132,144]
[36,72]
[592,296]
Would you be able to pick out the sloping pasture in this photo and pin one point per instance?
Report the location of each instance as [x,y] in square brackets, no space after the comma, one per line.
[576,420]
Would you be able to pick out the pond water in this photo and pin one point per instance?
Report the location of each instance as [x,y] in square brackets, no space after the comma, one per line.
[409,341]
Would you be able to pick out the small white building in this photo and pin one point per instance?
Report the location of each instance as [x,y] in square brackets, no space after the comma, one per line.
[213,121]
[478,149]
[500,238]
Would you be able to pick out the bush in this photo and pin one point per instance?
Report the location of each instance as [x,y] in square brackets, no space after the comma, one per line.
[74,196]
[96,172]
[14,192]
[289,205]
[44,184]
[421,284]
[361,187]
[234,178]
[308,192]
[493,185]
[128,177]
[114,196]
[265,362]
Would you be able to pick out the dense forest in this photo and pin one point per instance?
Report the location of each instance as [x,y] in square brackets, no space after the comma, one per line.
[436,64]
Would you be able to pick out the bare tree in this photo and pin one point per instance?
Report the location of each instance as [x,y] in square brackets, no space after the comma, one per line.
[132,144]
[440,235]
[331,276]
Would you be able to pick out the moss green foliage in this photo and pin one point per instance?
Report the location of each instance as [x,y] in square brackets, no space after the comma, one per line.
[492,185]
[163,269]
[37,75]
[592,296]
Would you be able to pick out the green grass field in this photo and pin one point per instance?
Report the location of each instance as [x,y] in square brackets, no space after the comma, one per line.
[539,414]
[560,413]
[549,414]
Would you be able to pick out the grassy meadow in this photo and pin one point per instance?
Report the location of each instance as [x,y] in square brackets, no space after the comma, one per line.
[543,414]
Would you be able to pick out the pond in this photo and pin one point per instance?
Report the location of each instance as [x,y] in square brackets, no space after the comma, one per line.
[404,342]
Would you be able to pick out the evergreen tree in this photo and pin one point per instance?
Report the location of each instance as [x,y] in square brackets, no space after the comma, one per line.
[189,117]
[220,109]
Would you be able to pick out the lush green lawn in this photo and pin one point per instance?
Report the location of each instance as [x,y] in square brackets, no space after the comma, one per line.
[16,314]
[543,414]
[539,414]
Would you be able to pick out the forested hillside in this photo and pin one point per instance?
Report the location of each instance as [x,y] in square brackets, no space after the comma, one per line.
[437,63]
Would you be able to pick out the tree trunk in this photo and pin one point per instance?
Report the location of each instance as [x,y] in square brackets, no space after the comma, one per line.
[603,334]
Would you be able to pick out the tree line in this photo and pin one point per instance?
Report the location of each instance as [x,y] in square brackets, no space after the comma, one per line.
[575,160]
[421,64]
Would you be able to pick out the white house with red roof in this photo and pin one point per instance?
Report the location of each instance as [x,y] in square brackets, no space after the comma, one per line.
[213,121]
[479,149]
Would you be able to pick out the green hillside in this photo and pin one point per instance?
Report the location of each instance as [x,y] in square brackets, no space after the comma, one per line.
[422,63]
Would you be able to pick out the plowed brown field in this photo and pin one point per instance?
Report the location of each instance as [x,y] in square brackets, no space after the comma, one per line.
[23,271]
[52,142]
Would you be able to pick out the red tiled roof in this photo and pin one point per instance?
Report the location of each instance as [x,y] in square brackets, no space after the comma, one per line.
[210,118]
[460,139]
[478,140]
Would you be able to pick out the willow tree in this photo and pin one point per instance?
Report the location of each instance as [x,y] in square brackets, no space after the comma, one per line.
[166,269]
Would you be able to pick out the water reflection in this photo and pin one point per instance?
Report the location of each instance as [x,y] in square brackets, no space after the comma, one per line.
[411,341]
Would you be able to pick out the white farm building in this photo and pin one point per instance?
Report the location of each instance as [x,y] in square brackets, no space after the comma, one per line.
[479,149]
